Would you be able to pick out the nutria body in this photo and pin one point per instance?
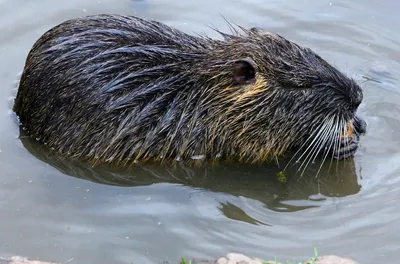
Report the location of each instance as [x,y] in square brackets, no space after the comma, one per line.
[110,88]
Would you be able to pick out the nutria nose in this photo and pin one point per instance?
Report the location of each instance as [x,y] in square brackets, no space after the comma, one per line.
[360,125]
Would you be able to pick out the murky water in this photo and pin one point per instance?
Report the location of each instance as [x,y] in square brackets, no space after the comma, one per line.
[54,210]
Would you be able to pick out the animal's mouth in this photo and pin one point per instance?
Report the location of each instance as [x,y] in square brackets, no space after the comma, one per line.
[349,139]
[334,138]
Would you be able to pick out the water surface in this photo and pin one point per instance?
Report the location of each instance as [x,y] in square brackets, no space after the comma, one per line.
[54,210]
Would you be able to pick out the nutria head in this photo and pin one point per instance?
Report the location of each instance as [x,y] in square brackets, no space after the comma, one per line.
[110,88]
[272,95]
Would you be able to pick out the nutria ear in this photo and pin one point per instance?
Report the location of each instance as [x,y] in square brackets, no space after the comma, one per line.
[244,71]
[256,29]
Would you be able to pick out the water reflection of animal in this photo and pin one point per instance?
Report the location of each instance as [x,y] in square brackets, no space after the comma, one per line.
[117,89]
[258,183]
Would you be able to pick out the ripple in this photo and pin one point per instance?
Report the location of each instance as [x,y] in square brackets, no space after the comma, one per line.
[152,214]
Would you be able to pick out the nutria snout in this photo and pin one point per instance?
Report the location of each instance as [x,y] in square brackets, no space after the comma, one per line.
[112,88]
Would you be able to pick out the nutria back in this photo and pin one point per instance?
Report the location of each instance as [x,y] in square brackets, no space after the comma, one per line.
[112,88]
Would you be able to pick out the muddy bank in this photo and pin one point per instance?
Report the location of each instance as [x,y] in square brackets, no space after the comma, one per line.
[23,260]
[235,258]
[232,258]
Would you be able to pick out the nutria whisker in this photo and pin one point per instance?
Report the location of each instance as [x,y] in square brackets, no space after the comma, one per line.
[125,90]
[313,137]
[341,124]
[331,135]
[335,139]
[314,145]
[318,145]
[342,128]
[345,141]
[347,130]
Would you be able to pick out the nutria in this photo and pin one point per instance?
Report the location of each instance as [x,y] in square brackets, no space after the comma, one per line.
[112,88]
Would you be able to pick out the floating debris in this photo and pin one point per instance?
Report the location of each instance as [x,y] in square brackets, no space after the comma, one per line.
[281,176]
[371,79]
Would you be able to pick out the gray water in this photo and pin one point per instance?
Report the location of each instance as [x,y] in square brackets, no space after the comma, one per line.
[53,210]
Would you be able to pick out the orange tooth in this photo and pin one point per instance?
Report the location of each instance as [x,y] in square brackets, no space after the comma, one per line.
[349,131]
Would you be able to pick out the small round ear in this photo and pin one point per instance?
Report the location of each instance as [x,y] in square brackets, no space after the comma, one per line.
[256,29]
[244,71]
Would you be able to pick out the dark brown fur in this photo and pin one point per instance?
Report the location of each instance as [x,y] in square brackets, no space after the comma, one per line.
[110,88]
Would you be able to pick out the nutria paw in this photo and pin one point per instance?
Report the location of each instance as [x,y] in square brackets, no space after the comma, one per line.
[347,148]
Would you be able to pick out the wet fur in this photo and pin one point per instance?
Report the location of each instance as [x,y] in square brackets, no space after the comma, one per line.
[110,88]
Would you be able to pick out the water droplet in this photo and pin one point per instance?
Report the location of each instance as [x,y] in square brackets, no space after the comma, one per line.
[317,197]
[198,157]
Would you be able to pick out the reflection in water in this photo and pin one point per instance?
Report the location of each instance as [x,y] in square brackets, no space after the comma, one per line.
[235,213]
[336,179]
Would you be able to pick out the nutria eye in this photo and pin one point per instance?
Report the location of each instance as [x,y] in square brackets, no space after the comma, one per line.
[244,71]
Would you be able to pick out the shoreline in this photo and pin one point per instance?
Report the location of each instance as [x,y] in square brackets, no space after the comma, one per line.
[231,258]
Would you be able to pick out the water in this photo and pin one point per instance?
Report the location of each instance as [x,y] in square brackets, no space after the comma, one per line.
[53,210]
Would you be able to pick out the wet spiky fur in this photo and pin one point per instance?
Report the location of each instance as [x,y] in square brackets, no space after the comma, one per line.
[110,88]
